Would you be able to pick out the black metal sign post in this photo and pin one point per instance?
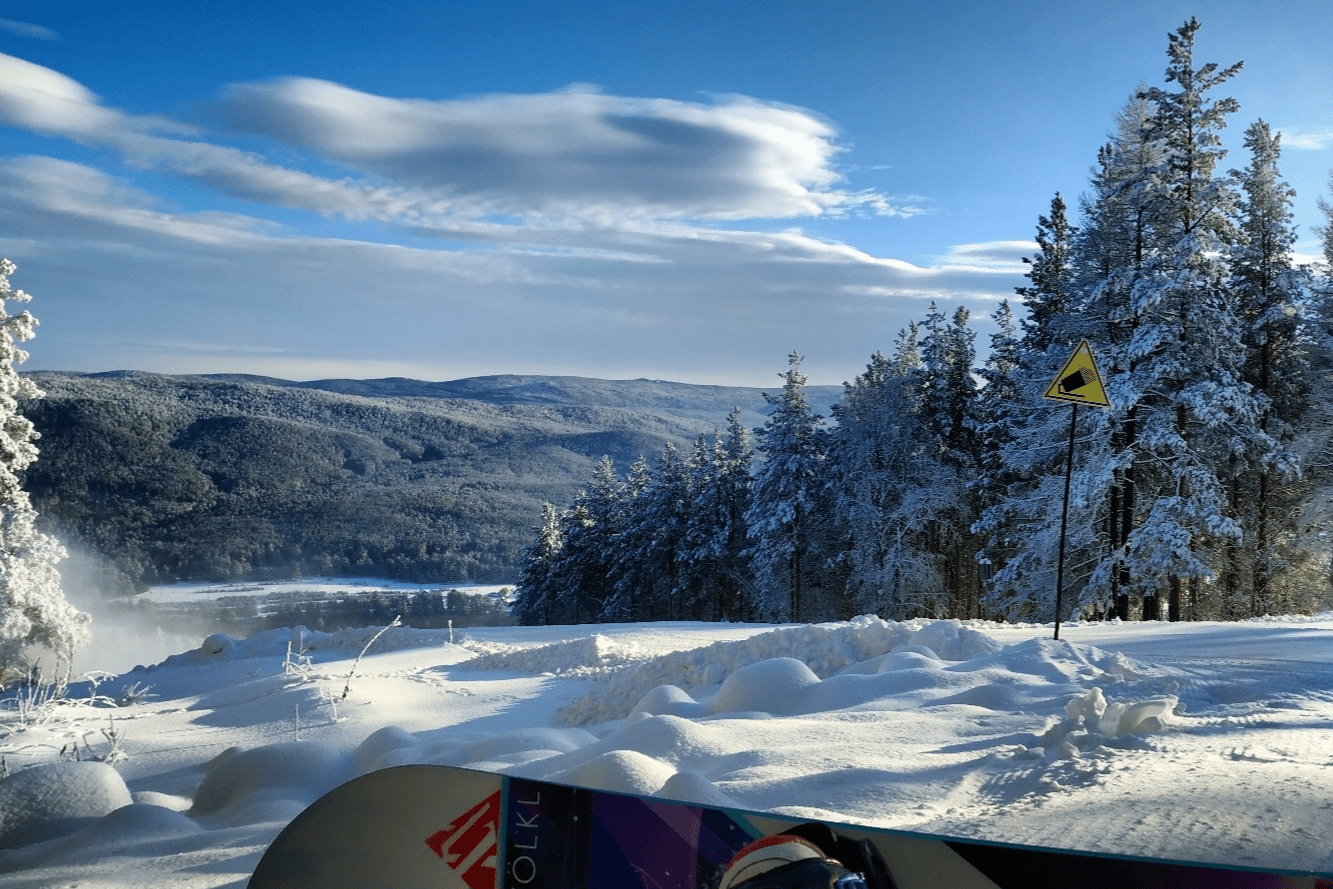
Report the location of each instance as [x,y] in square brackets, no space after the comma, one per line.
[1064,522]
[1078,382]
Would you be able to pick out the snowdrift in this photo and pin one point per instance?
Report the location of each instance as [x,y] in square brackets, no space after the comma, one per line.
[969,729]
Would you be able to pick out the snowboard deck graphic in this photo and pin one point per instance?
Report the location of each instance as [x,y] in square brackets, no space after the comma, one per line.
[419,826]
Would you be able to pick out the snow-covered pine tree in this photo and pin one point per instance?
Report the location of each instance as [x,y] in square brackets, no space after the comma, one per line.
[716,532]
[1002,413]
[1049,299]
[581,575]
[1154,270]
[784,495]
[650,568]
[999,403]
[632,579]
[535,595]
[945,385]
[906,357]
[1111,256]
[1315,441]
[1326,230]
[1023,438]
[1187,353]
[1271,295]
[1149,285]
[33,609]
[884,484]
[946,400]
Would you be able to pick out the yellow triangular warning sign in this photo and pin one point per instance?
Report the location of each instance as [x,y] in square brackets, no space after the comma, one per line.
[1078,382]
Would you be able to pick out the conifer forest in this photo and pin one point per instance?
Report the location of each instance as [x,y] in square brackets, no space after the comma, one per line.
[935,486]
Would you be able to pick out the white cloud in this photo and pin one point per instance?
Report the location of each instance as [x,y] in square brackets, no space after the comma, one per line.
[36,98]
[27,29]
[483,166]
[571,232]
[1306,140]
[44,194]
[564,153]
[112,270]
[1002,257]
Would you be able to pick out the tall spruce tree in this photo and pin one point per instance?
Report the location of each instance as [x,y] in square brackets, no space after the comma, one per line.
[1151,293]
[782,518]
[946,400]
[1002,414]
[635,573]
[1315,440]
[582,576]
[886,495]
[1049,299]
[652,568]
[1111,259]
[1023,438]
[535,595]
[1189,354]
[1270,291]
[716,532]
[1180,405]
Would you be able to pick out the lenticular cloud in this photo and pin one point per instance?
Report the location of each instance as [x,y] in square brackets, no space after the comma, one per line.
[563,151]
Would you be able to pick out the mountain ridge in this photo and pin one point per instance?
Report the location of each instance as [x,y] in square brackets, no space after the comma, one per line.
[152,478]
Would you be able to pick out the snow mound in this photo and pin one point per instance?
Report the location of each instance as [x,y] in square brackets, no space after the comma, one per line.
[667,700]
[825,649]
[55,799]
[392,746]
[1059,662]
[374,751]
[623,771]
[525,742]
[695,788]
[300,641]
[770,686]
[1091,720]
[590,655]
[136,829]
[269,783]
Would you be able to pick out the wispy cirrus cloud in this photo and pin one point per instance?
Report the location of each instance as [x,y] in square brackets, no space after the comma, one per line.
[1003,257]
[27,29]
[1307,140]
[115,266]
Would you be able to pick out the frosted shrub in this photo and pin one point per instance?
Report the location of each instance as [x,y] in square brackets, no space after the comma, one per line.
[33,610]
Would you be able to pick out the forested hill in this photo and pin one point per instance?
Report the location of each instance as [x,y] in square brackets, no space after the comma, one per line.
[156,478]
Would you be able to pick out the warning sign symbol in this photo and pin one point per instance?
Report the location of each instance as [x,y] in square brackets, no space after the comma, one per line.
[1078,382]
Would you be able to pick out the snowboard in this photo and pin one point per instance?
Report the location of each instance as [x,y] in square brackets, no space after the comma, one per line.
[419,826]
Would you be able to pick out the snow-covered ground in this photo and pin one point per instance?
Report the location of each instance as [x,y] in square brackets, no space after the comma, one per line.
[121,640]
[1205,742]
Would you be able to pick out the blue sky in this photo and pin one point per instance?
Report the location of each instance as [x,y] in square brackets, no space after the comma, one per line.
[671,190]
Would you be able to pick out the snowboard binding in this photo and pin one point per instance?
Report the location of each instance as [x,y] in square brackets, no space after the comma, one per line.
[808,856]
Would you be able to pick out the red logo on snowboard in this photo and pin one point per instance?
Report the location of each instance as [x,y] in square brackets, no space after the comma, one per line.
[469,844]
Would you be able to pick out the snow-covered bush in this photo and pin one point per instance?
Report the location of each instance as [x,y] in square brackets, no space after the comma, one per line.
[33,610]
